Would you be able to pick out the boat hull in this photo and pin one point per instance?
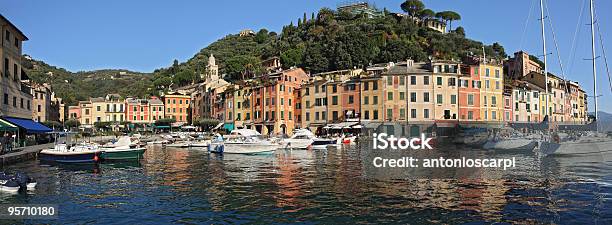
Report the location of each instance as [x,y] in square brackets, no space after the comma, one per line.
[297,144]
[576,148]
[322,144]
[76,157]
[124,154]
[178,145]
[240,148]
[511,145]
[9,189]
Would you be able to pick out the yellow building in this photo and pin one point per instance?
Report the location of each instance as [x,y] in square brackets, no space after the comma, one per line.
[243,110]
[491,91]
[114,109]
[446,91]
[314,104]
[86,119]
[98,112]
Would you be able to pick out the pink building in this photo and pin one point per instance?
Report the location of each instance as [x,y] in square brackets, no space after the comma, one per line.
[138,111]
[74,112]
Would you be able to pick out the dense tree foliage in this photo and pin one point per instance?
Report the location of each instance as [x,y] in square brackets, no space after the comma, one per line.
[72,123]
[333,40]
[207,124]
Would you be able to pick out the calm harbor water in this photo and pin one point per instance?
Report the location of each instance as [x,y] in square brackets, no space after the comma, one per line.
[313,187]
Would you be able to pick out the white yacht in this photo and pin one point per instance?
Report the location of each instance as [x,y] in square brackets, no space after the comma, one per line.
[585,144]
[301,139]
[510,140]
[242,141]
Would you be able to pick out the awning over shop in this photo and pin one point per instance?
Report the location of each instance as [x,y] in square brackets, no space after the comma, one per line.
[30,126]
[162,127]
[342,125]
[6,126]
[228,126]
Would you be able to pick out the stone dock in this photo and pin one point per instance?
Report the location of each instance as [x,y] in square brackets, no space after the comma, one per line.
[23,154]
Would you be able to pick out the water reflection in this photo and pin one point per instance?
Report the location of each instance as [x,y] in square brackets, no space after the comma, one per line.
[191,186]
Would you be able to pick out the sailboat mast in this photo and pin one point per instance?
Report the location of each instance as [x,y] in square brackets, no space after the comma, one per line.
[593,54]
[544,53]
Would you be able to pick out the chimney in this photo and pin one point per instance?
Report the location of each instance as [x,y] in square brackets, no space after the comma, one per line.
[409,63]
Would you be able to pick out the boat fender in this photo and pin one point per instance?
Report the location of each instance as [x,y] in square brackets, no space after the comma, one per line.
[96,158]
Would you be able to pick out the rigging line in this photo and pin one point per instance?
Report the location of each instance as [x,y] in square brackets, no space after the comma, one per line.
[603,51]
[572,54]
[552,29]
[526,24]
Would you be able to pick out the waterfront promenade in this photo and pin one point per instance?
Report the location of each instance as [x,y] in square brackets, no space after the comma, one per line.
[23,154]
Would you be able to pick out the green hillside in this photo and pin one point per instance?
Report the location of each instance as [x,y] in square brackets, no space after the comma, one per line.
[73,87]
[332,40]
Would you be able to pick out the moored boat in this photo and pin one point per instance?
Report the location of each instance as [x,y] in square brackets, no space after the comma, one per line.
[301,139]
[511,144]
[179,144]
[590,144]
[325,143]
[13,183]
[125,148]
[200,144]
[243,141]
[10,185]
[62,153]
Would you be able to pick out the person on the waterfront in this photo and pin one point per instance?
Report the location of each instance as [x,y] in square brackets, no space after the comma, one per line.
[2,143]
[5,143]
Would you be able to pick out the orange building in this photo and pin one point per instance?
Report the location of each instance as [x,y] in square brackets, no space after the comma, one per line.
[274,101]
[469,94]
[177,107]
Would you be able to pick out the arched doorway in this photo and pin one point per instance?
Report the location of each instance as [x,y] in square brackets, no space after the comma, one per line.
[283,129]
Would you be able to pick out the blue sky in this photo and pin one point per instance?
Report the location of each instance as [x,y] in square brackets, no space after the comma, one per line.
[143,35]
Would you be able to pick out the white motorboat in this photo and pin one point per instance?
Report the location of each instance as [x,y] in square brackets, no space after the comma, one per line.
[200,144]
[80,153]
[589,144]
[512,144]
[325,143]
[158,142]
[179,144]
[126,148]
[10,186]
[510,140]
[472,137]
[242,141]
[12,183]
[301,139]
